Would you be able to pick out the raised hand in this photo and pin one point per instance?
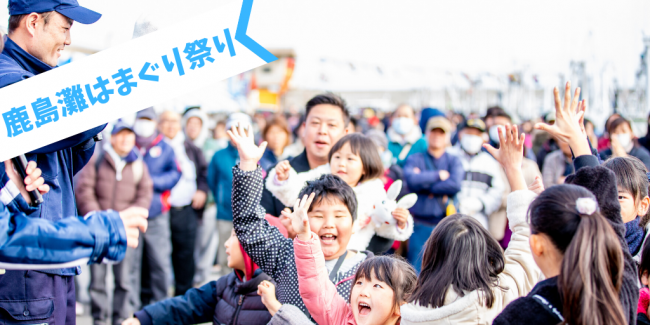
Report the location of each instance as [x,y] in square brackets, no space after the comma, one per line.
[249,153]
[510,155]
[282,170]
[266,290]
[299,218]
[135,221]
[569,121]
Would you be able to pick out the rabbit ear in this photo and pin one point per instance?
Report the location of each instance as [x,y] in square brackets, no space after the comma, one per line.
[393,190]
[407,201]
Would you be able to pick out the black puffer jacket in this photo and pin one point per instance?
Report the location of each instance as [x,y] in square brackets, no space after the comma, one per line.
[225,301]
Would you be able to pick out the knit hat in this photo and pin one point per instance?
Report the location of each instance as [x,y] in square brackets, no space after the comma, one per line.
[426,114]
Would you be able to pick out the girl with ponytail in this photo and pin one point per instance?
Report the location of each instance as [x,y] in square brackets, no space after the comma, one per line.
[578,240]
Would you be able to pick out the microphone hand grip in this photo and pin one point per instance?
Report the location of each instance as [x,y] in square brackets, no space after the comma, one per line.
[20,163]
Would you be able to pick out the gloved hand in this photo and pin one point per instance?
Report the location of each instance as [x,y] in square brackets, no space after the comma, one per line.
[470,206]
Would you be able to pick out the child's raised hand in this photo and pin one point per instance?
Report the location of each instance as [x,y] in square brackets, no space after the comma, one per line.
[510,155]
[282,170]
[569,117]
[266,290]
[401,215]
[299,218]
[249,153]
[537,186]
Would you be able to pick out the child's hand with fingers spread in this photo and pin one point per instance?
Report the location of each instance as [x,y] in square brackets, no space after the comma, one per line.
[401,215]
[569,120]
[299,218]
[266,290]
[249,153]
[510,155]
[282,170]
[537,186]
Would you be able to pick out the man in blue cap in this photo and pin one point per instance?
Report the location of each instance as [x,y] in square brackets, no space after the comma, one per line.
[38,31]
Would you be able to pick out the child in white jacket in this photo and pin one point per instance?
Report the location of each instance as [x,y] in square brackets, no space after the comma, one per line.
[354,159]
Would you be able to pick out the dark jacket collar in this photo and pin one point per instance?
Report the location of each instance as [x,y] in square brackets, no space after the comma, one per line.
[245,287]
[300,163]
[24,59]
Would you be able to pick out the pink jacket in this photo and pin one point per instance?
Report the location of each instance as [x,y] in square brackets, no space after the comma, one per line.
[318,293]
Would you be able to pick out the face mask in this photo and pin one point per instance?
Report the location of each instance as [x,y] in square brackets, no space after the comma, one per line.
[386,159]
[402,125]
[471,143]
[494,133]
[624,139]
[144,128]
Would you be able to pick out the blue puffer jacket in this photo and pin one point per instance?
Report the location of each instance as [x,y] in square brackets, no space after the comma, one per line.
[46,244]
[220,180]
[164,171]
[228,300]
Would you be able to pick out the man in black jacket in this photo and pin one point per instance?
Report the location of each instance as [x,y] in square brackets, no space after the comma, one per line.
[190,193]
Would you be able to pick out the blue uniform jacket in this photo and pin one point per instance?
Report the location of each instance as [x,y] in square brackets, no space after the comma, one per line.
[428,186]
[59,161]
[220,180]
[164,171]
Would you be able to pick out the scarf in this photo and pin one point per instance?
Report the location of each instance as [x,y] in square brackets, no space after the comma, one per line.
[634,235]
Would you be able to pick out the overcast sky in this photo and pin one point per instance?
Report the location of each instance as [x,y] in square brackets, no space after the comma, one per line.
[467,35]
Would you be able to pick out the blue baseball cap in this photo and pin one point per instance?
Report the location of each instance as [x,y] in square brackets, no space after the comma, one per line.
[68,8]
[121,125]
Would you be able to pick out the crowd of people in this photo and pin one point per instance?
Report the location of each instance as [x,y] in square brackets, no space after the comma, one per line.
[542,221]
[415,216]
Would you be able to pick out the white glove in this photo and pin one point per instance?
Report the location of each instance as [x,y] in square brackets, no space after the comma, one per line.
[470,206]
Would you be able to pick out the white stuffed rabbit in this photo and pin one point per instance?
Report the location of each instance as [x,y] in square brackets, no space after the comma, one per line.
[382,214]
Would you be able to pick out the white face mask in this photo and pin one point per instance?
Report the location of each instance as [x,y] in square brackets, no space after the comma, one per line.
[386,158]
[494,133]
[144,128]
[402,125]
[624,139]
[472,144]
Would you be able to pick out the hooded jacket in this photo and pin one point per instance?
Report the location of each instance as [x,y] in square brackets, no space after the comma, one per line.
[59,161]
[229,300]
[519,276]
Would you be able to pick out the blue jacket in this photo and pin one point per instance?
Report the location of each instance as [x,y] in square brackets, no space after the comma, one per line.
[59,161]
[228,300]
[220,180]
[428,186]
[164,171]
[47,244]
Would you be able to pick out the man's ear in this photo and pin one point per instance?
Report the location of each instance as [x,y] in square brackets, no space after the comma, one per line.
[32,22]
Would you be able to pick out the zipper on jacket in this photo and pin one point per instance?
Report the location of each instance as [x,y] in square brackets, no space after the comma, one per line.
[239,303]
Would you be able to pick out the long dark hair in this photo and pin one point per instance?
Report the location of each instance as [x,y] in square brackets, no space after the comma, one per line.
[393,270]
[462,254]
[592,267]
[632,176]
